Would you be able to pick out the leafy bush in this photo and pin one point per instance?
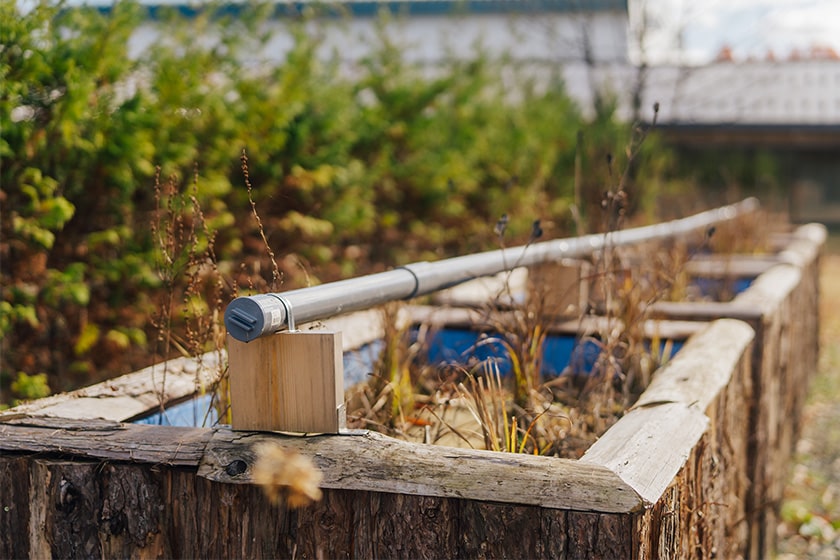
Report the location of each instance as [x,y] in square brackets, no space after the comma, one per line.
[351,172]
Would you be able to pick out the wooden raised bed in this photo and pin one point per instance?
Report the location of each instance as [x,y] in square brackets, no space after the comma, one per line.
[667,479]
[679,475]
[782,306]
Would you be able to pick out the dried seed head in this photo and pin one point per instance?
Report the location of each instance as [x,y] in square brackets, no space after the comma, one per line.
[501,225]
[536,230]
[285,473]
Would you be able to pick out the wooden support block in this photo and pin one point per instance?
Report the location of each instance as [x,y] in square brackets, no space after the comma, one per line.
[561,287]
[287,382]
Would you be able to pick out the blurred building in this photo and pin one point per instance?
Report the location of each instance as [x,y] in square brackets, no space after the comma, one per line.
[772,114]
[785,110]
[537,31]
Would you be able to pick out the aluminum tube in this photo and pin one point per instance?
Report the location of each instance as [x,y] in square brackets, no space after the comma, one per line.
[250,317]
[439,275]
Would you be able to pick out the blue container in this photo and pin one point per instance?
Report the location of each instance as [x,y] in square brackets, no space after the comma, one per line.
[196,412]
[358,364]
[451,346]
[461,347]
[713,287]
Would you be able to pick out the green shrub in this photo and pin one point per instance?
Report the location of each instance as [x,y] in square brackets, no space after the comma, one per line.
[351,172]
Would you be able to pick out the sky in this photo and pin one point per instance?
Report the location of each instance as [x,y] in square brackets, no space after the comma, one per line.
[748,27]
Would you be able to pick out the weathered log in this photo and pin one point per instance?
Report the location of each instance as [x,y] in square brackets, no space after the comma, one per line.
[781,305]
[373,462]
[165,445]
[111,490]
[133,490]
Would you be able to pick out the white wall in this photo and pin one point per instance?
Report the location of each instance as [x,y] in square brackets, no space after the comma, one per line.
[549,37]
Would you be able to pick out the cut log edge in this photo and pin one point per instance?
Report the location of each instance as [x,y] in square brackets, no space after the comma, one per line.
[649,446]
[696,375]
[369,461]
[360,460]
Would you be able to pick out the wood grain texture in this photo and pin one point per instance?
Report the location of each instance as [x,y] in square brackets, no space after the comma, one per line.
[649,446]
[126,442]
[291,382]
[373,462]
[367,461]
[561,287]
[14,507]
[134,395]
[697,374]
[404,526]
[100,510]
[131,395]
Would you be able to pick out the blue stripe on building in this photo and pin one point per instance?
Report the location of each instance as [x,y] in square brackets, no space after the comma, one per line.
[371,8]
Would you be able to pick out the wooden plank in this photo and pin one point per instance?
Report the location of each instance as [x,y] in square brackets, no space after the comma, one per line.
[806,245]
[648,446]
[124,442]
[71,424]
[291,382]
[461,317]
[696,375]
[560,288]
[730,266]
[705,311]
[770,289]
[364,461]
[133,394]
[373,462]
[83,509]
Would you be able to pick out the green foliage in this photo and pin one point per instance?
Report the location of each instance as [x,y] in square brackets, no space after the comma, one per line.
[350,172]
[30,387]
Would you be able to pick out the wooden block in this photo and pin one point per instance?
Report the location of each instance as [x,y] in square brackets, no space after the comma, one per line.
[561,288]
[288,382]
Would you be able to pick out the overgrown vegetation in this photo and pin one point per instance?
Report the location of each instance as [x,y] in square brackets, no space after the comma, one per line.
[503,399]
[611,363]
[354,172]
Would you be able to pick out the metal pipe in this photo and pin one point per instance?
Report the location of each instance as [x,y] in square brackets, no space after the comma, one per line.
[250,317]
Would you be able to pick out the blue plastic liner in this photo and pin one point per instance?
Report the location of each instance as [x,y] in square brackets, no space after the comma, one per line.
[458,347]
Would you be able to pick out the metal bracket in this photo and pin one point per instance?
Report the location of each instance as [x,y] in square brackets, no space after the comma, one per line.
[290,317]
